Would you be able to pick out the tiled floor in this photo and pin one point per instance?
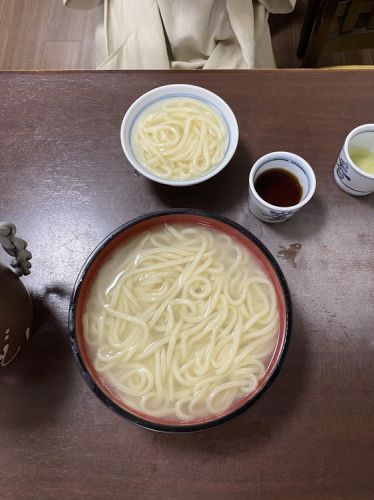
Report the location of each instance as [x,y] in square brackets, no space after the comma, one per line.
[43,34]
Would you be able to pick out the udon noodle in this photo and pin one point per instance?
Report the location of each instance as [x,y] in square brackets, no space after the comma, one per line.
[179,138]
[181,322]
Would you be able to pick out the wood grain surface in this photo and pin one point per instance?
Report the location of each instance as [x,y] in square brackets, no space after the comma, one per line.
[66,184]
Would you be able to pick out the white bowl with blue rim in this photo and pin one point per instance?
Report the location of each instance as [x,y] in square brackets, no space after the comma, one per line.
[182,91]
[291,163]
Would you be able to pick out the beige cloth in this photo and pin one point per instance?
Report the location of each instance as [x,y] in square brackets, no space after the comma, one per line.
[184,34]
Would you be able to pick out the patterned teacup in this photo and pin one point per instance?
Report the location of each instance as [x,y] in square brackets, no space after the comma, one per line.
[291,164]
[350,177]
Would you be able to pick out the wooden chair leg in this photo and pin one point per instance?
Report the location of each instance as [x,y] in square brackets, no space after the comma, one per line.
[307,28]
[371,21]
[320,30]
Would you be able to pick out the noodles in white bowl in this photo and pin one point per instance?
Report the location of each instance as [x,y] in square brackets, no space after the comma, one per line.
[179,138]
[181,322]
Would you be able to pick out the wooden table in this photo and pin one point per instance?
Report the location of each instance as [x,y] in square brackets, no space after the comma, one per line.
[66,183]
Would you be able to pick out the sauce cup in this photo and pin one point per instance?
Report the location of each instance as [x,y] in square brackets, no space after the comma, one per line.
[291,163]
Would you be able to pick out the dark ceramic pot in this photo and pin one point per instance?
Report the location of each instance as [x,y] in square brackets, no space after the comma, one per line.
[15,316]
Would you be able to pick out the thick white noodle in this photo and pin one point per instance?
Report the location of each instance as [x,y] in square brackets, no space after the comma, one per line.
[180,138]
[181,322]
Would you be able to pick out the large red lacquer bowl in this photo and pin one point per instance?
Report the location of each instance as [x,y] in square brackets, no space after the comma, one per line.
[109,245]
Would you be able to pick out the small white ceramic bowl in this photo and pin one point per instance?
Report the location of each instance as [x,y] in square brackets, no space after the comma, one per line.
[179,90]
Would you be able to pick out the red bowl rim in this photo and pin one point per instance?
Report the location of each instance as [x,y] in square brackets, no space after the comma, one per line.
[98,257]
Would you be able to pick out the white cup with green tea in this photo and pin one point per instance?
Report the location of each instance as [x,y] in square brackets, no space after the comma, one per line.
[354,169]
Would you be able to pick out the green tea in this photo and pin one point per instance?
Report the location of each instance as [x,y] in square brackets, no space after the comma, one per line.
[363,158]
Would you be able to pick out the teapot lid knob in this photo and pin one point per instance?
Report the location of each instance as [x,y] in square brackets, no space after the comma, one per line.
[16,248]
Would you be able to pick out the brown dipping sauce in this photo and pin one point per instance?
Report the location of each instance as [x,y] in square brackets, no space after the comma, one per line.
[279,187]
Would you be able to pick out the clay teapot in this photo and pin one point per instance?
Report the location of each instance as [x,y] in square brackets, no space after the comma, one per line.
[15,302]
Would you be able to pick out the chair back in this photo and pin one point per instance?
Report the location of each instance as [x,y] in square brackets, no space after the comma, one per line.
[334,26]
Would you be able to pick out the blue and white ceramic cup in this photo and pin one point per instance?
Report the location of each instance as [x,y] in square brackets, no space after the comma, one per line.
[348,176]
[287,161]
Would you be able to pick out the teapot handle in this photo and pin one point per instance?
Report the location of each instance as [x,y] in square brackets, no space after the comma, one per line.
[16,247]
